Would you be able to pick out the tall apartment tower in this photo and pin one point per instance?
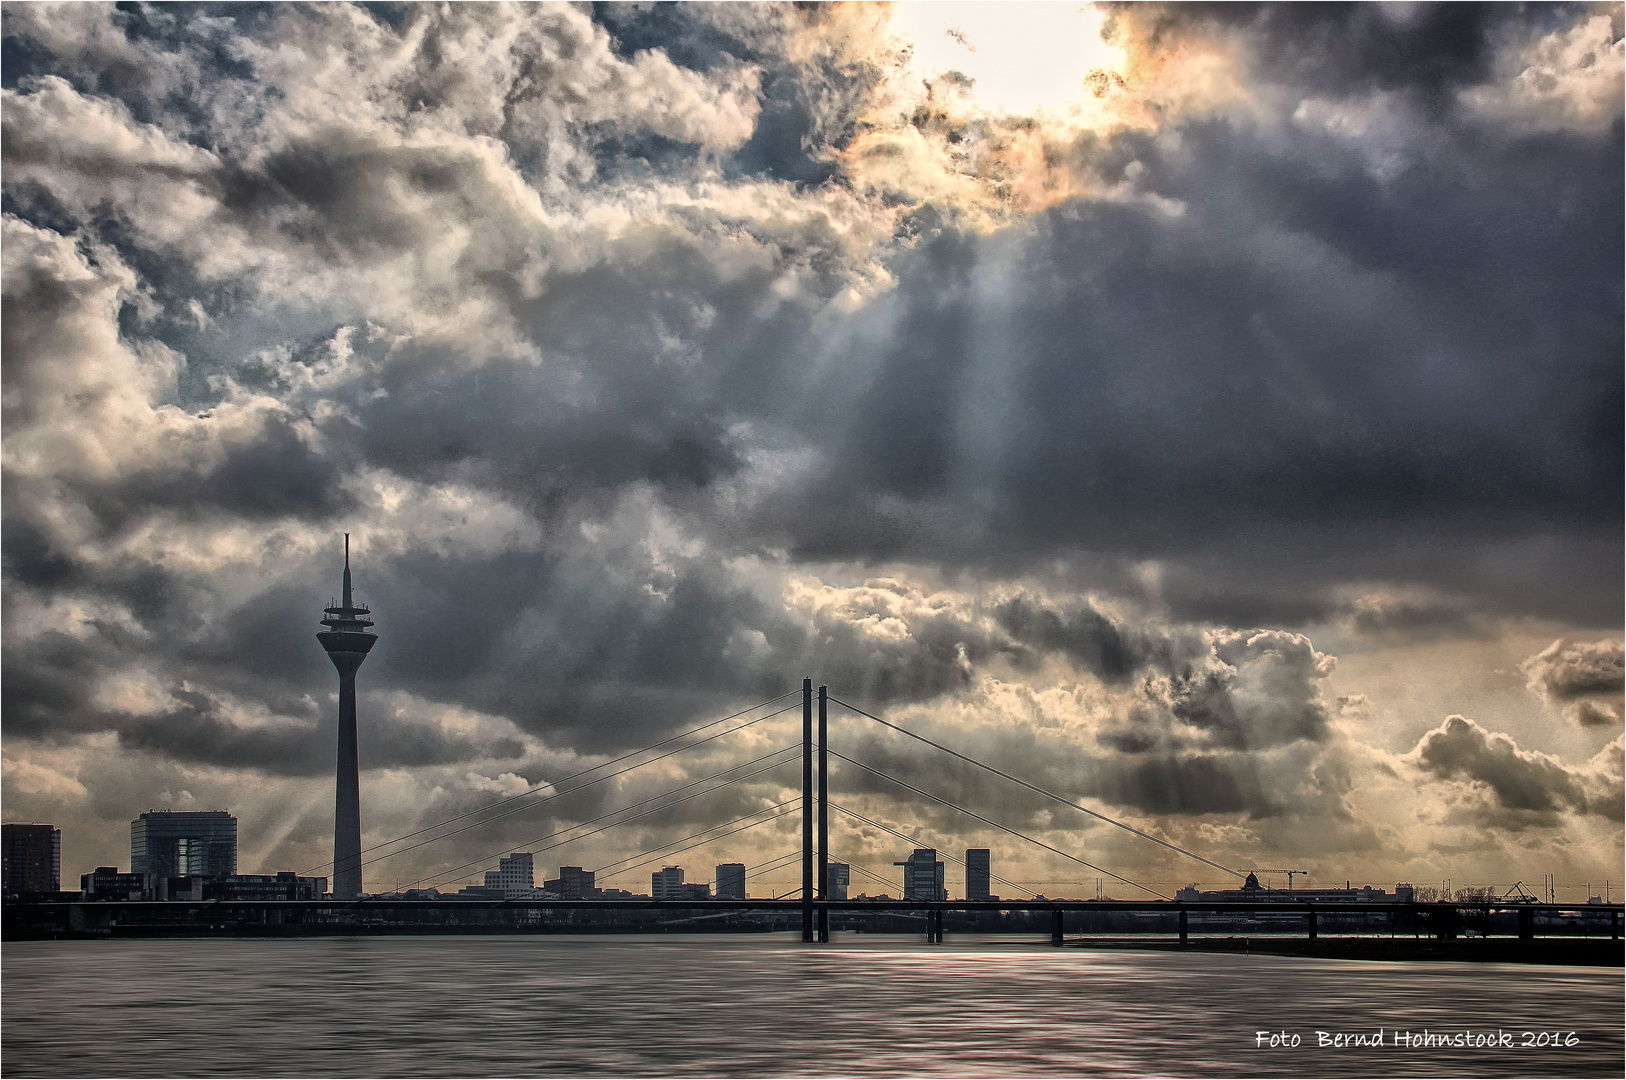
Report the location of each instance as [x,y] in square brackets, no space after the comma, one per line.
[31,858]
[184,843]
[977,874]
[347,641]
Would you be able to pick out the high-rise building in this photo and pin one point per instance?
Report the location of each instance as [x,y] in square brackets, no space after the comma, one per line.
[513,876]
[665,883]
[838,876]
[923,876]
[977,874]
[731,881]
[184,843]
[30,858]
[573,883]
[347,641]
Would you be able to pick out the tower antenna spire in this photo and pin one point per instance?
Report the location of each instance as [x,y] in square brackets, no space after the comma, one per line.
[347,599]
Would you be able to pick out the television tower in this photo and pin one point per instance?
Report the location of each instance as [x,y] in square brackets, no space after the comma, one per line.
[347,641]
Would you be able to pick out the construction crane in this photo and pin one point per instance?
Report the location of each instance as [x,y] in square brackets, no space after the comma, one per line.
[1289,874]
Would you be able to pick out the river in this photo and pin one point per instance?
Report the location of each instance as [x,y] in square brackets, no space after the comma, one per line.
[767,1006]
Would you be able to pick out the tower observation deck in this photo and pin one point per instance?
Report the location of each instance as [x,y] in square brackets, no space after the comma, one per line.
[347,640]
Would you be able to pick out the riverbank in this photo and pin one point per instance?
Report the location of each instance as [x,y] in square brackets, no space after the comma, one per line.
[1582,952]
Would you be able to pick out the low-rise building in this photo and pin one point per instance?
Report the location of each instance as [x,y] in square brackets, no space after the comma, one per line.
[107,883]
[283,885]
[479,892]
[1254,893]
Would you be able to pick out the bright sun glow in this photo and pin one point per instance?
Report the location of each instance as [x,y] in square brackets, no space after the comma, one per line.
[1024,56]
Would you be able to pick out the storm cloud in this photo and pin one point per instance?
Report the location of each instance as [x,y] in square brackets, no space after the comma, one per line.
[656,358]
[1518,780]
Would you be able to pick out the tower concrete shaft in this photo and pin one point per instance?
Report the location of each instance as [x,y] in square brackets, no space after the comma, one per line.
[347,641]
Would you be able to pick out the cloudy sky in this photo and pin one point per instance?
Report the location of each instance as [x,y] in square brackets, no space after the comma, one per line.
[1210,414]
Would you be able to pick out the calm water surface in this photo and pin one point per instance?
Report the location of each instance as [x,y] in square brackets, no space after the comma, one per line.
[865,1005]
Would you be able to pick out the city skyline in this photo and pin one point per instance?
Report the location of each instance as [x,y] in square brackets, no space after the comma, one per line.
[1220,428]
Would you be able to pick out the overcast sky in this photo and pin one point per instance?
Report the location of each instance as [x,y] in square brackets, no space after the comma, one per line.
[1212,414]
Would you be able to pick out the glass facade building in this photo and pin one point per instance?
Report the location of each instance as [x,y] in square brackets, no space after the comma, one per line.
[184,843]
[977,885]
[923,876]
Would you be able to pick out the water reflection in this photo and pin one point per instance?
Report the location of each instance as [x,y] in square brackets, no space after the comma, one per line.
[758,1006]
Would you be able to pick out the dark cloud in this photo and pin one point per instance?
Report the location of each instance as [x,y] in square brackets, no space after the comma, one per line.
[604,350]
[1235,410]
[1567,670]
[1518,780]
[1427,49]
[1402,618]
[1089,638]
[1593,713]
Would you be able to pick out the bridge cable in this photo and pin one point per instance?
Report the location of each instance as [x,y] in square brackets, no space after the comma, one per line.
[991,875]
[609,813]
[451,875]
[584,772]
[872,874]
[562,794]
[664,854]
[779,864]
[1047,794]
[995,824]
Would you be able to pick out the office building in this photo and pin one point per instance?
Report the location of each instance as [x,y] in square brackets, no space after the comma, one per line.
[106,883]
[923,876]
[667,884]
[347,641]
[838,875]
[977,874]
[513,877]
[184,843]
[31,858]
[664,883]
[573,883]
[284,885]
[731,881]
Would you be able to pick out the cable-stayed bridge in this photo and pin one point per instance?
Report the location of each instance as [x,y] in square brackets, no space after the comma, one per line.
[814,754]
[807,908]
